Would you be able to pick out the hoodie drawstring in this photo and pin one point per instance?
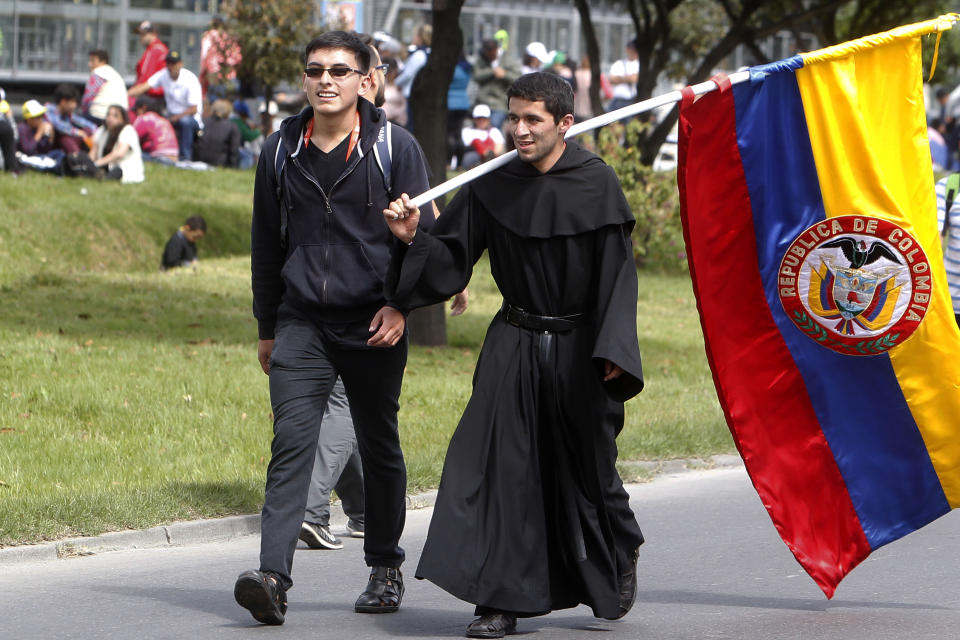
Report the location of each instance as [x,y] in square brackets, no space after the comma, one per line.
[369,190]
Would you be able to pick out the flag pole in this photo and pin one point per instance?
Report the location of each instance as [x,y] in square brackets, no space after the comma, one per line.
[577,129]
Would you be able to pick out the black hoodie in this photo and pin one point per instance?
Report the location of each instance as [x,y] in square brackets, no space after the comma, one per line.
[338,248]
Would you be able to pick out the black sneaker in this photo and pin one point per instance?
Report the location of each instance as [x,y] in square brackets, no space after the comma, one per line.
[384,591]
[355,529]
[319,537]
[263,595]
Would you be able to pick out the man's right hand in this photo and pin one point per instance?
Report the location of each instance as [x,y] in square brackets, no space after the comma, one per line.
[264,349]
[402,217]
[44,130]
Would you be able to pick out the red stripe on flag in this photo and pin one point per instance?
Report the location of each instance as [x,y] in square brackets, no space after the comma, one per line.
[761,391]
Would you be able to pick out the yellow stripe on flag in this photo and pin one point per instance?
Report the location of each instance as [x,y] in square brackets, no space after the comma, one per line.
[865,114]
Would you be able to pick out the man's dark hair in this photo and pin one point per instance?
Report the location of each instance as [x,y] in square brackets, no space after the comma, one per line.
[368,40]
[100,54]
[65,92]
[151,103]
[549,88]
[197,223]
[632,44]
[341,40]
[391,62]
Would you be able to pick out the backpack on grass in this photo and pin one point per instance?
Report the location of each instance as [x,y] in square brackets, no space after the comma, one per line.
[78,165]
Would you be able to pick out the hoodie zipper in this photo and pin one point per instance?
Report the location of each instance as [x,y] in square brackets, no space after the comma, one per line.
[325,220]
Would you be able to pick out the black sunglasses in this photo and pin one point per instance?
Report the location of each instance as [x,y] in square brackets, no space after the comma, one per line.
[338,73]
[381,67]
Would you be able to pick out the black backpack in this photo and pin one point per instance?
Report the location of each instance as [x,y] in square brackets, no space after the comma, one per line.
[78,165]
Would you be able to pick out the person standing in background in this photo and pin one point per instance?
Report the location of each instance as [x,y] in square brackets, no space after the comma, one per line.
[105,87]
[219,56]
[624,74]
[153,58]
[494,73]
[420,51]
[458,106]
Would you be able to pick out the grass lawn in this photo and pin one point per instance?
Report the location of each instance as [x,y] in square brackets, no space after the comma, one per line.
[133,397]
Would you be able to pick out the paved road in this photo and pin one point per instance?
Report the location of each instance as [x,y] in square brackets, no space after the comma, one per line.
[713,567]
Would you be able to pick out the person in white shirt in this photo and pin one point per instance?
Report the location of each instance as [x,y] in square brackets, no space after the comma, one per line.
[116,147]
[623,76]
[105,87]
[482,141]
[184,97]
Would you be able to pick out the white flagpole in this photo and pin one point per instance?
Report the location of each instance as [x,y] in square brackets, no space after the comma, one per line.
[575,130]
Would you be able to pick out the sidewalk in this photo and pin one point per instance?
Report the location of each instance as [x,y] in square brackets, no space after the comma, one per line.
[215,529]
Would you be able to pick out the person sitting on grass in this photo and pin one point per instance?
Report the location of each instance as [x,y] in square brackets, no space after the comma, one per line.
[158,140]
[181,249]
[116,148]
[8,137]
[482,141]
[219,144]
[72,130]
[35,140]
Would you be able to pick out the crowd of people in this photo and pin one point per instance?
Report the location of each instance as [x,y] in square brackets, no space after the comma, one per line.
[185,117]
[480,83]
[170,115]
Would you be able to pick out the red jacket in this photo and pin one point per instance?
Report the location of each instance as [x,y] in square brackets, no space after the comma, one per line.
[152,60]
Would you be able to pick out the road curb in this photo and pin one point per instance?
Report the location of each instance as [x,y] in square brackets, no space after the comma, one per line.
[216,529]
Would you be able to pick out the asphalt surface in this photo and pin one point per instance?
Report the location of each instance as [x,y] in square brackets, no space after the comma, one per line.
[713,567]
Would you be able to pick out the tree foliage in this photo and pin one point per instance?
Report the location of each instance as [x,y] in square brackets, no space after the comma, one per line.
[689,40]
[272,34]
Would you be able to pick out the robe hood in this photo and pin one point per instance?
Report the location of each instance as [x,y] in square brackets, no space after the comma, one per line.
[574,196]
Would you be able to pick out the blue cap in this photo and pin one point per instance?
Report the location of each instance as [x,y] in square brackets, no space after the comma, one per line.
[241,109]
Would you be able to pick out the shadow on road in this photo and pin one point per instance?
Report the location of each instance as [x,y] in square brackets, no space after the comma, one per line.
[798,604]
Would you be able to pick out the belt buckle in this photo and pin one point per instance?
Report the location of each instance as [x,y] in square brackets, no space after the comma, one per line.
[524,319]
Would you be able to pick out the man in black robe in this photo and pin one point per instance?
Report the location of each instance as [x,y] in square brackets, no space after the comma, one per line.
[531,514]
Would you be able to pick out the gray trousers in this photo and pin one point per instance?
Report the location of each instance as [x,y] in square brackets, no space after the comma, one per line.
[337,465]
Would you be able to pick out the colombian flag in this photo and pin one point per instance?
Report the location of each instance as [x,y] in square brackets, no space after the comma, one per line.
[810,222]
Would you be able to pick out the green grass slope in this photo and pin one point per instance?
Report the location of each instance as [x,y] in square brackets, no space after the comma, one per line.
[132,397]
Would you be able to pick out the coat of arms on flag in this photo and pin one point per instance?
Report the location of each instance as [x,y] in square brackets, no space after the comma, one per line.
[813,182]
[856,284]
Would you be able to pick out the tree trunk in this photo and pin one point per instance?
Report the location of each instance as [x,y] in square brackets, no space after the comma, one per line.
[593,53]
[428,100]
[266,120]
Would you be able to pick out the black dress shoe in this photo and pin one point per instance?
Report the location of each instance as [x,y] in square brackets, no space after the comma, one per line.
[262,595]
[383,593]
[493,625]
[628,585]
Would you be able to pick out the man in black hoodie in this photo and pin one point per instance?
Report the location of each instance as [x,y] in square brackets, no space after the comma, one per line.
[320,256]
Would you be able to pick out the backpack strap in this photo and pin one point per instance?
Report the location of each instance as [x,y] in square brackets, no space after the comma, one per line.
[279,162]
[953,186]
[383,152]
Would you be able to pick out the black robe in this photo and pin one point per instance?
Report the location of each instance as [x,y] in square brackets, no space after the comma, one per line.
[531,514]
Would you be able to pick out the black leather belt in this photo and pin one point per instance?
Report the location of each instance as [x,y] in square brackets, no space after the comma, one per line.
[520,318]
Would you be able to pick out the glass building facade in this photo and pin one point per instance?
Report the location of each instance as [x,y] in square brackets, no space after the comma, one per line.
[48,40]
